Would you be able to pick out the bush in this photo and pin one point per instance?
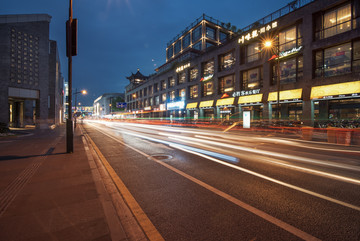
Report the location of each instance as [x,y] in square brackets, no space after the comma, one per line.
[4,128]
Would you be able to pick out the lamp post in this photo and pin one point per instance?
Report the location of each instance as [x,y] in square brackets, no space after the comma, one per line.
[84,92]
[269,45]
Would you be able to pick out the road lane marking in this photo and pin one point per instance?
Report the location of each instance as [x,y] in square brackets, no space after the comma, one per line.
[291,229]
[178,146]
[150,230]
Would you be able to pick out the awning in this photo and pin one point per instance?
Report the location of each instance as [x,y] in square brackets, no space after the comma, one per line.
[226,101]
[250,99]
[207,103]
[191,105]
[286,95]
[336,90]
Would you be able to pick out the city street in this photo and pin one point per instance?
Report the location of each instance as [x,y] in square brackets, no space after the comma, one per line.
[206,184]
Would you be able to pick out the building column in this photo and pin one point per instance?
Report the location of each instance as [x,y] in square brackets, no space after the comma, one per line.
[308,113]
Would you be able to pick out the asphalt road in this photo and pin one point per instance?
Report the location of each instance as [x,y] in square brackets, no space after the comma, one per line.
[198,184]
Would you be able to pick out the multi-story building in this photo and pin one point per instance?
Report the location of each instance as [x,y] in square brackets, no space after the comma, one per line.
[313,63]
[106,104]
[31,84]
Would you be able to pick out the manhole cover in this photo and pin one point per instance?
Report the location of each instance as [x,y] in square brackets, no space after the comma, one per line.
[161,157]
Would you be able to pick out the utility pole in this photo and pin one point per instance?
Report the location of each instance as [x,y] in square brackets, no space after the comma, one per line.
[71,50]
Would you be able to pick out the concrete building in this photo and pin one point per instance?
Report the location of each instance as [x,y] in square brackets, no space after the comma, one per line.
[31,84]
[103,105]
[314,65]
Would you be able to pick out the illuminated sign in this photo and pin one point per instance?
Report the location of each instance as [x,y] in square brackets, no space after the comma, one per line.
[223,102]
[162,107]
[225,111]
[206,104]
[147,108]
[246,119]
[246,92]
[343,90]
[286,96]
[206,78]
[289,52]
[182,67]
[175,105]
[191,105]
[256,33]
[250,99]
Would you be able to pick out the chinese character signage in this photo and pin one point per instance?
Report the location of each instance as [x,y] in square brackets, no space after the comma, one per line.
[257,32]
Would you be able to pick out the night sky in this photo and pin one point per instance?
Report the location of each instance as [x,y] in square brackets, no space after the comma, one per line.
[118,36]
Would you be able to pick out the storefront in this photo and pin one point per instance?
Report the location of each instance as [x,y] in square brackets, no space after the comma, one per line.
[252,103]
[207,111]
[290,105]
[192,112]
[226,108]
[176,109]
[336,102]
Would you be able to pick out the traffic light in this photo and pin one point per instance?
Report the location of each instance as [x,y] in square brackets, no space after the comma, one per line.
[74,37]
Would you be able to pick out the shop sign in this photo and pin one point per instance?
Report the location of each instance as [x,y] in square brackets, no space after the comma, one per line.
[175,105]
[246,92]
[206,104]
[206,78]
[225,111]
[343,90]
[191,105]
[257,32]
[250,99]
[225,102]
[286,96]
[182,67]
[147,108]
[290,52]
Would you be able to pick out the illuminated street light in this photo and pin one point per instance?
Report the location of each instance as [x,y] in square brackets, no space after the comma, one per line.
[276,50]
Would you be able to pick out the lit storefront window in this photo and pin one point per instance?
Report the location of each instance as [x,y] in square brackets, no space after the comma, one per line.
[252,79]
[157,100]
[333,22]
[208,88]
[171,81]
[227,61]
[290,38]
[226,84]
[181,77]
[194,73]
[172,95]
[337,60]
[252,52]
[194,92]
[163,85]
[163,97]
[291,70]
[182,93]
[208,68]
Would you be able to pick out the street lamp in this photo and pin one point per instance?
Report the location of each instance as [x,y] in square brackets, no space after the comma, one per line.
[269,44]
[84,92]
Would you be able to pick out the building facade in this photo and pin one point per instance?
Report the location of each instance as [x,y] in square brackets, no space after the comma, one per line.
[105,104]
[31,84]
[310,73]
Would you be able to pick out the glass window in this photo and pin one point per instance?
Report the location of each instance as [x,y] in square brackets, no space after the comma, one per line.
[198,45]
[252,79]
[337,60]
[171,81]
[287,39]
[163,85]
[209,44]
[196,34]
[194,92]
[163,97]
[156,87]
[157,100]
[208,69]
[291,70]
[182,77]
[356,58]
[337,21]
[151,101]
[223,37]
[182,93]
[253,52]
[172,95]
[194,73]
[210,33]
[226,84]
[186,41]
[170,51]
[227,61]
[177,47]
[208,88]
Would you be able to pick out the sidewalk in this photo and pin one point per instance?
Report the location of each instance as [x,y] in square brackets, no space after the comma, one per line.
[47,194]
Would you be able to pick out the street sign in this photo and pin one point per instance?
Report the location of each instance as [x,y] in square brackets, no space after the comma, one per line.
[120,105]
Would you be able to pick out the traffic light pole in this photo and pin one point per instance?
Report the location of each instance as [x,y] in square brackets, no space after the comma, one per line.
[69,122]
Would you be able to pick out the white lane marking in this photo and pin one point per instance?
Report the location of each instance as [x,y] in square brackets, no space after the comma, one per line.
[268,153]
[291,229]
[175,145]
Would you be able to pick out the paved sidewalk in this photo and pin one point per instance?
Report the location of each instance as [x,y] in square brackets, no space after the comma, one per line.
[47,194]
